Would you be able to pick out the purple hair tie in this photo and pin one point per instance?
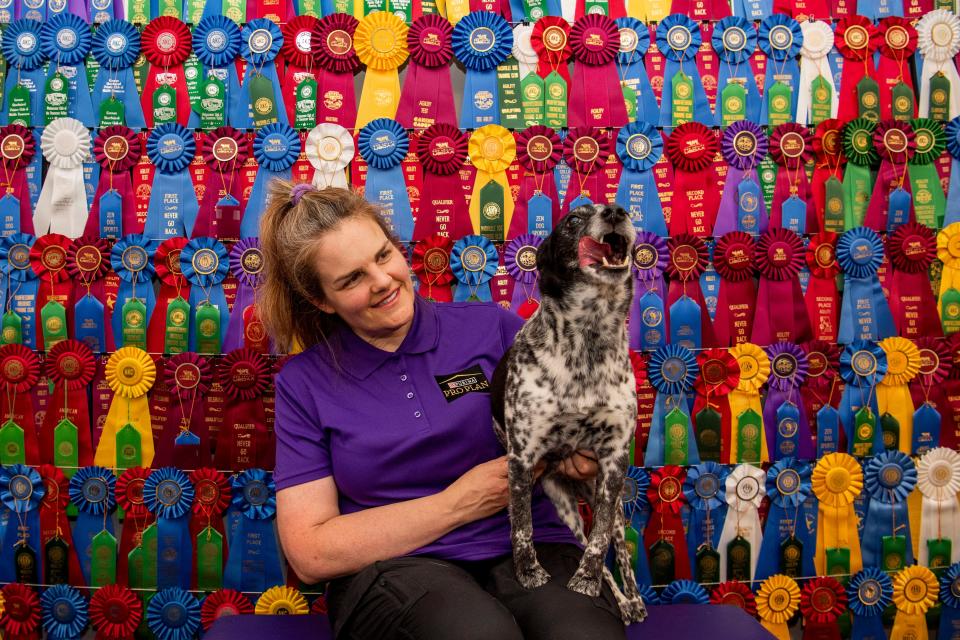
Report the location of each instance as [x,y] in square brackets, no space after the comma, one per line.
[298,190]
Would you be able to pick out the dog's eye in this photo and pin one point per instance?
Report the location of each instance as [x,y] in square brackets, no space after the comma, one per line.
[574,221]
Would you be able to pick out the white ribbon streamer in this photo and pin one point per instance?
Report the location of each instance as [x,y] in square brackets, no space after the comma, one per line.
[745,488]
[817,43]
[62,206]
[330,149]
[938,40]
[938,479]
[523,50]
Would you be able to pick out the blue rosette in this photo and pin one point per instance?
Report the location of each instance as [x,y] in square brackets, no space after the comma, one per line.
[216,41]
[173,614]
[21,45]
[21,490]
[383,143]
[481,40]
[864,311]
[780,38]
[115,47]
[65,614]
[168,494]
[260,41]
[173,207]
[171,148]
[254,560]
[132,259]
[639,40]
[650,597]
[634,43]
[671,370]
[15,257]
[860,252]
[92,492]
[18,275]
[888,479]
[639,147]
[65,38]
[684,592]
[205,263]
[863,364]
[869,593]
[678,39]
[254,494]
[275,148]
[705,488]
[473,261]
[735,39]
[636,513]
[950,599]
[635,487]
[789,488]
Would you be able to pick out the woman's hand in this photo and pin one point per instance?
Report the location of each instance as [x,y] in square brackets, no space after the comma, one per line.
[480,492]
[581,465]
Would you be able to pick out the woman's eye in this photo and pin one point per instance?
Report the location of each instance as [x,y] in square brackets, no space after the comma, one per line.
[384,256]
[574,221]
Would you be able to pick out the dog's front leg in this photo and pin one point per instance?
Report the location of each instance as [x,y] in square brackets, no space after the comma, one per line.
[529,572]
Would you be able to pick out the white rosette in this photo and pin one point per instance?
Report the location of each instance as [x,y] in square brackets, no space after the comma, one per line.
[62,206]
[745,489]
[817,43]
[938,41]
[330,149]
[523,50]
[938,479]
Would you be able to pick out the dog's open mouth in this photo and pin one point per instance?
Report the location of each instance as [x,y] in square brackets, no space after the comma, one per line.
[610,253]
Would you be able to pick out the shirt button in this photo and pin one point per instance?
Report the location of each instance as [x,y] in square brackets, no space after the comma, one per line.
[403,378]
[417,414]
[409,394]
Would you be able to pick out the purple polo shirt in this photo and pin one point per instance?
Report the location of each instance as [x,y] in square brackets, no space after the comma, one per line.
[397,426]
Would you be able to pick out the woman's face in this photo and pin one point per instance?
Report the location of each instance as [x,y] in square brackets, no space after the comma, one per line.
[365,281]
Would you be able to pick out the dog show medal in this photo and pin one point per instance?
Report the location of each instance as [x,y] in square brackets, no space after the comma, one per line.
[115,612]
[64,611]
[130,258]
[383,144]
[48,257]
[741,536]
[427,98]
[24,89]
[858,177]
[550,39]
[539,150]
[188,377]
[335,62]
[929,200]
[691,149]
[821,296]
[777,601]
[430,262]
[647,324]
[205,264]
[244,375]
[380,41]
[281,600]
[173,205]
[734,40]
[890,204]
[639,147]
[780,257]
[62,205]
[261,40]
[520,255]
[585,150]
[837,480]
[254,562]
[948,302]
[742,207]
[857,40]
[897,45]
[826,184]
[212,492]
[117,149]
[473,261]
[733,259]
[166,43]
[818,99]
[888,478]
[21,491]
[596,98]
[784,415]
[791,147]
[127,438]
[683,99]
[132,564]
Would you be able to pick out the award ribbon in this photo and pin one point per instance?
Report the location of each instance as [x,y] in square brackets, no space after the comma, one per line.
[638,93]
[788,545]
[336,61]
[950,599]
[19,373]
[275,148]
[864,313]
[520,256]
[115,47]
[62,206]
[952,131]
[818,97]
[704,489]
[174,614]
[891,205]
[23,90]
[827,184]
[381,44]
[689,322]
[21,611]
[482,41]
[777,601]
[930,395]
[636,511]
[166,44]
[819,393]
[261,40]
[948,303]
[115,612]
[20,286]
[893,393]
[912,248]
[719,375]
[742,206]
[888,478]
[539,150]
[212,497]
[65,432]
[131,259]
[65,39]
[216,43]
[822,602]
[791,147]
[431,264]
[684,592]
[205,263]
[779,257]
[48,257]
[736,594]
[784,414]
[254,562]
[281,600]
[21,491]
[938,40]
[639,147]
[862,366]
[299,77]
[550,40]
[329,149]
[938,479]
[857,176]
[243,441]
[246,329]
[442,150]
[596,99]
[781,39]
[691,149]
[132,565]
[897,45]
[869,593]
[664,535]
[427,96]
[914,592]
[169,326]
[837,480]
[188,377]
[60,562]
[92,493]
[738,98]
[672,370]
[473,261]
[857,40]
[492,150]
[929,200]
[224,602]
[117,149]
[683,99]
[383,144]
[821,297]
[173,207]
[747,443]
[733,259]
[647,324]
[586,150]
[168,494]
[225,151]
[18,151]
[127,438]
[65,613]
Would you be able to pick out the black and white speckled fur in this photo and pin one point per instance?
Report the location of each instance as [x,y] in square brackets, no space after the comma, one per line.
[567,384]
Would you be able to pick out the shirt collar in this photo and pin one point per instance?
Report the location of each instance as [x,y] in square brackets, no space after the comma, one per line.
[362,358]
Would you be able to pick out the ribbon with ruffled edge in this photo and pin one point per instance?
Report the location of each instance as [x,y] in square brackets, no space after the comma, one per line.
[216,43]
[742,207]
[719,376]
[166,44]
[745,488]
[636,512]
[48,259]
[65,613]
[820,393]
[754,371]
[473,261]
[788,433]
[829,161]
[115,612]
[777,601]
[837,481]
[596,99]
[822,602]
[129,494]
[131,259]
[173,614]
[915,591]
[586,150]
[260,43]
[19,149]
[780,38]
[430,262]
[383,144]
[244,375]
[736,594]
[520,258]
[173,206]
[169,496]
[381,44]
[19,374]
[329,149]
[938,42]
[950,599]
[62,206]
[116,46]
[691,149]
[791,148]
[205,263]
[21,492]
[856,39]
[889,478]
[858,175]
[276,147]
[895,143]
[679,39]
[550,40]
[898,43]
[66,40]
[281,600]
[20,616]
[704,489]
[225,152]
[684,592]
[893,392]
[788,487]
[537,211]
[639,147]
[441,150]
[818,40]
[491,150]
[930,390]
[929,199]
[634,43]
[185,441]
[223,602]
[869,593]
[25,59]
[254,563]
[130,372]
[862,366]
[647,325]
[117,149]
[912,248]
[672,371]
[166,262]
[734,40]
[689,258]
[297,52]
[952,132]
[665,528]
[822,297]
[336,61]
[865,313]
[427,96]
[71,366]
[779,258]
[948,251]
[212,497]
[92,491]
[938,480]
[246,329]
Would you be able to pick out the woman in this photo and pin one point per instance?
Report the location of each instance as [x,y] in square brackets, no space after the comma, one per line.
[391,483]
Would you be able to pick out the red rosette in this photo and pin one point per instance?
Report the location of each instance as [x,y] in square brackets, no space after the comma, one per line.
[953,343]
[244,374]
[115,612]
[894,141]
[48,257]
[719,373]
[332,44]
[166,262]
[550,38]
[117,148]
[823,600]
[912,248]
[791,145]
[21,610]
[821,255]
[225,149]
[735,593]
[586,148]
[595,39]
[212,492]
[17,147]
[692,147]
[70,363]
[442,149]
[223,602]
[733,256]
[823,359]
[187,371]
[689,257]
[638,361]
[88,259]
[539,149]
[429,41]
[319,606]
[431,260]
[856,37]
[898,38]
[56,487]
[936,360]
[780,254]
[666,489]
[19,368]
[828,142]
[129,490]
[298,41]
[166,42]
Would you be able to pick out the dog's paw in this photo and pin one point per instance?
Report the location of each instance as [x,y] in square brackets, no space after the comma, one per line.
[582,584]
[632,610]
[535,576]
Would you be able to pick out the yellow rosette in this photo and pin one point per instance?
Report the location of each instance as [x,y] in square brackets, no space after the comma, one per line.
[754,371]
[130,372]
[492,149]
[381,43]
[914,592]
[777,601]
[948,299]
[837,480]
[281,600]
[893,392]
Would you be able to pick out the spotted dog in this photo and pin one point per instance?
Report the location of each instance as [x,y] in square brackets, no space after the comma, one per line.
[567,384]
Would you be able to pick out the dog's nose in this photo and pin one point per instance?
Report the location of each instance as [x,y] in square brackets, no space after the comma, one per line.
[613,215]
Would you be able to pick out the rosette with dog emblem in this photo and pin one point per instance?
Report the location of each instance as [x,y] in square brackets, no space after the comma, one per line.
[117,149]
[427,97]
[821,297]
[791,147]
[173,207]
[336,61]
[596,99]
[442,150]
[383,144]
[586,150]
[742,207]
[275,148]
[891,205]
[869,593]
[912,248]
[225,152]
[246,328]
[244,375]
[691,149]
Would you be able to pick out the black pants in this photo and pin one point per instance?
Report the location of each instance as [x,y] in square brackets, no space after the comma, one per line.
[421,598]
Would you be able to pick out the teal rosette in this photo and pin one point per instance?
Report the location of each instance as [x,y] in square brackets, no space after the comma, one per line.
[383,143]
[888,479]
[15,257]
[92,492]
[276,147]
[684,592]
[789,487]
[21,488]
[672,370]
[260,41]
[254,543]
[205,263]
[174,614]
[216,41]
[65,614]
[21,45]
[115,46]
[168,495]
[863,364]
[780,37]
[481,40]
[869,593]
[473,261]
[864,312]
[65,39]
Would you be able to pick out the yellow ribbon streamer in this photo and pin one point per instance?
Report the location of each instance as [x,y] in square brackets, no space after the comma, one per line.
[456,9]
[754,371]
[893,392]
[657,10]
[837,480]
[914,592]
[948,250]
[381,43]
[130,372]
[777,601]
[281,600]
[637,9]
[491,150]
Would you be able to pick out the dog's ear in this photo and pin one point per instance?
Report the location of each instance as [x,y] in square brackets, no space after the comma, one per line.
[552,268]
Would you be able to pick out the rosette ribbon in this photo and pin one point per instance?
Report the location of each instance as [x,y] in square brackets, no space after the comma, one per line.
[688,321]
[691,149]
[254,561]
[596,99]
[537,209]
[245,328]
[889,478]
[174,614]
[734,593]
[684,592]
[329,149]
[821,297]
[639,147]
[781,312]
[747,442]
[683,98]
[243,441]
[299,77]
[115,612]
[216,44]
[738,98]
[822,602]
[646,398]
[281,600]
[742,207]
[891,203]
[897,45]
[60,561]
[117,149]
[585,150]
[115,47]
[275,148]
[491,149]
[520,256]
[20,615]
[893,393]
[186,438]
[862,366]
[741,537]
[837,481]
[930,390]
[223,602]
[719,375]
[780,38]
[336,61]
[19,373]
[65,614]
[19,286]
[166,44]
[791,147]
[21,491]
[827,182]
[912,248]
[777,601]
[441,151]
[381,43]
[647,324]
[818,99]
[92,493]
[19,149]
[383,144]
[132,259]
[788,543]
[24,85]
[733,258]
[915,591]
[66,41]
[212,496]
[169,496]
[636,512]
[865,313]
[663,536]
[65,432]
[857,40]
[173,206]
[938,42]
[205,264]
[858,176]
[948,302]
[137,519]
[869,593]
[784,414]
[48,258]
[427,96]
[952,131]
[820,394]
[482,40]
[938,479]
[431,264]
[704,488]
[168,328]
[550,40]
[950,599]
[672,371]
[225,151]
[261,40]
[62,206]
[631,61]
[929,199]
[127,438]
[473,261]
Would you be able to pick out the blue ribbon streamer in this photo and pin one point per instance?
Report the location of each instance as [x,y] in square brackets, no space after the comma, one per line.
[254,562]
[672,370]
[859,386]
[208,287]
[132,281]
[92,492]
[173,206]
[674,58]
[24,55]
[264,62]
[65,614]
[173,614]
[66,41]
[633,71]
[639,147]
[684,592]
[22,280]
[481,41]
[473,261]
[383,143]
[275,148]
[21,490]
[878,9]
[869,593]
[168,494]
[789,488]
[115,46]
[950,599]
[888,479]
[735,64]
[753,9]
[636,509]
[705,487]
[216,42]
[864,312]
[782,64]
[952,131]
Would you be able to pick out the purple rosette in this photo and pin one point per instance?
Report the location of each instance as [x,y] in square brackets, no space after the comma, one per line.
[788,371]
[743,145]
[520,257]
[650,258]
[246,264]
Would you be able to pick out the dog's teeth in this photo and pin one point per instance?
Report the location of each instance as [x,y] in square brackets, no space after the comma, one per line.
[605,263]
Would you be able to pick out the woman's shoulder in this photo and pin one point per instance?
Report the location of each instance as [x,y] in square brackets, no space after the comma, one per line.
[310,364]
[479,318]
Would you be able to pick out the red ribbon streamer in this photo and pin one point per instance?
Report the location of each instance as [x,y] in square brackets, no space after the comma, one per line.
[166,44]
[442,150]
[166,262]
[912,248]
[822,298]
[666,499]
[427,96]
[596,99]
[336,62]
[19,373]
[781,313]
[898,42]
[18,149]
[129,493]
[431,263]
[856,38]
[688,260]
[719,375]
[71,366]
[828,153]
[586,151]
[550,40]
[225,151]
[539,149]
[242,442]
[117,150]
[791,147]
[296,52]
[691,149]
[733,260]
[53,518]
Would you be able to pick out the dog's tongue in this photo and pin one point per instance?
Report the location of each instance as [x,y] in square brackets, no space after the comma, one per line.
[592,252]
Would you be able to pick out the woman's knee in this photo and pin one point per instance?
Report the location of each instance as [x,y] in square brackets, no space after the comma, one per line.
[464,613]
